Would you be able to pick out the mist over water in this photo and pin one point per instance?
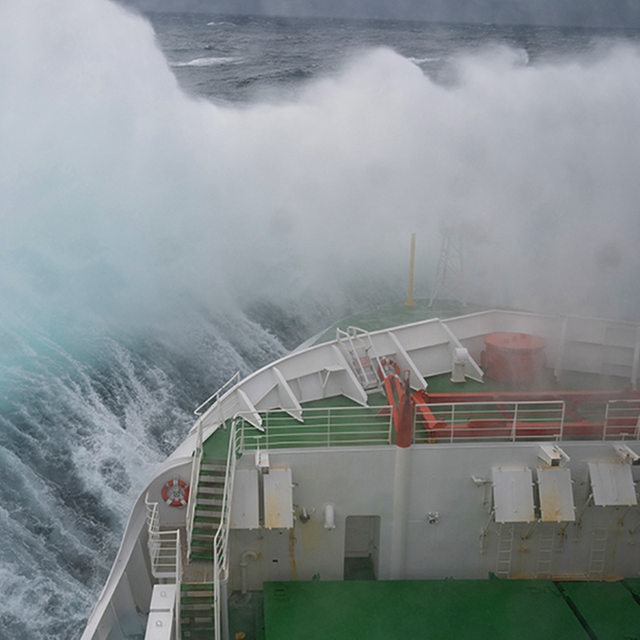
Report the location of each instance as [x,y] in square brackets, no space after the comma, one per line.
[154,242]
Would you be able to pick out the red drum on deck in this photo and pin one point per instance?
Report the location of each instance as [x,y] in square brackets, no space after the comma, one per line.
[513,357]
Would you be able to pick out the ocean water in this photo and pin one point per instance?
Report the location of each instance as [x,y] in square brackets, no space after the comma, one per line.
[186,196]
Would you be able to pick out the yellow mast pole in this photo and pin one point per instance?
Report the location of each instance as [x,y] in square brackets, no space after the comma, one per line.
[409,301]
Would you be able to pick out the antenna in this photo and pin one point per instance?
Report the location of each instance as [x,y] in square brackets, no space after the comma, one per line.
[450,281]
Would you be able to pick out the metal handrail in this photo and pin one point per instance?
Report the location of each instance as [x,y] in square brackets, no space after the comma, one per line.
[165,554]
[221,538]
[163,546]
[502,421]
[358,359]
[507,421]
[622,420]
[178,586]
[325,427]
[193,484]
[214,397]
[533,420]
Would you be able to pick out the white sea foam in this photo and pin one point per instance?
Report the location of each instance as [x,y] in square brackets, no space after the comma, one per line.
[425,60]
[221,23]
[206,62]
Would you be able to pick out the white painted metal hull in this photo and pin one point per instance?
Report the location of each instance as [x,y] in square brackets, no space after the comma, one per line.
[430,509]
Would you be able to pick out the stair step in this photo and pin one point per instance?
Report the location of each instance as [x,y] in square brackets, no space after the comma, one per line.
[202,545]
[210,481]
[210,502]
[208,528]
[199,625]
[203,535]
[188,607]
[199,587]
[197,598]
[210,489]
[213,468]
[213,514]
[197,595]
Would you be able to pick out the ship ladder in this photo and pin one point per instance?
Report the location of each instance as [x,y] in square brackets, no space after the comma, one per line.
[361,354]
[598,553]
[197,604]
[545,552]
[504,556]
[208,511]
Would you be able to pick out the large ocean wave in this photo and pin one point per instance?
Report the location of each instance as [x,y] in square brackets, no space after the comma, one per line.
[153,244]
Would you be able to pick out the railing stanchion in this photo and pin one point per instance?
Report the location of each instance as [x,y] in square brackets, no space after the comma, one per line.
[453,422]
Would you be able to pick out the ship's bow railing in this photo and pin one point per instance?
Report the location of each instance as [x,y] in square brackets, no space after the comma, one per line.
[505,421]
[530,420]
[163,546]
[165,554]
[201,409]
[322,427]
[193,483]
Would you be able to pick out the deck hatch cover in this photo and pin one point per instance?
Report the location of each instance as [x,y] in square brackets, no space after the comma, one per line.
[245,513]
[612,484]
[513,494]
[556,494]
[278,499]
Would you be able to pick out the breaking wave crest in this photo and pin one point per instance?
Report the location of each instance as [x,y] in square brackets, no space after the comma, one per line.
[206,62]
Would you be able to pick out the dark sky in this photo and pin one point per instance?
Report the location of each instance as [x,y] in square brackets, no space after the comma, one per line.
[594,13]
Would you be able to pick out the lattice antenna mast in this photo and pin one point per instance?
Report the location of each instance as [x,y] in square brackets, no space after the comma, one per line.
[450,281]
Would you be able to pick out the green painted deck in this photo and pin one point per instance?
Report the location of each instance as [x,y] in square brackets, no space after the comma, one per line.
[216,445]
[450,609]
[609,609]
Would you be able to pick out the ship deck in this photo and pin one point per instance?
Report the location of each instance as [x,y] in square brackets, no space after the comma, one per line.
[339,421]
[444,609]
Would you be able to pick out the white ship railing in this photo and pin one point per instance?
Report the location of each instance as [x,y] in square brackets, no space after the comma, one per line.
[165,554]
[221,539]
[214,397]
[526,421]
[622,420]
[193,484]
[505,421]
[163,546]
[322,427]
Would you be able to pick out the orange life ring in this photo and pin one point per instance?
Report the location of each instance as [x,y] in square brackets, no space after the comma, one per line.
[175,493]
